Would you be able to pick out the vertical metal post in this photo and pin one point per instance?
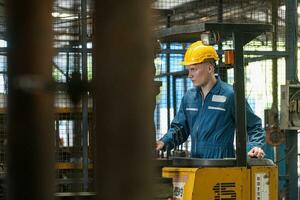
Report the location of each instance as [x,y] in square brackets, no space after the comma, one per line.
[186,144]
[68,66]
[275,78]
[85,98]
[31,133]
[57,138]
[274,60]
[292,76]
[291,164]
[168,77]
[124,99]
[174,95]
[239,93]
[291,16]
[222,71]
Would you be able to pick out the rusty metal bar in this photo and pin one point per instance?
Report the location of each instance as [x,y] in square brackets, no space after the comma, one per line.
[30,106]
[124,99]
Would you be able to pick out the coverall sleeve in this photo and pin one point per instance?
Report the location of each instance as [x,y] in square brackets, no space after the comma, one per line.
[179,130]
[256,134]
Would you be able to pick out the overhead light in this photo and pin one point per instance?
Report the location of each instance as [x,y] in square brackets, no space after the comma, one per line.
[89,45]
[68,16]
[210,38]
[64,15]
[55,14]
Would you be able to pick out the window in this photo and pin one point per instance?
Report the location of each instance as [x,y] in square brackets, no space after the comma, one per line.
[66,136]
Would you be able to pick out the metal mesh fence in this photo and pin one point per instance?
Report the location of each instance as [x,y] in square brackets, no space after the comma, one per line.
[73,30]
[229,11]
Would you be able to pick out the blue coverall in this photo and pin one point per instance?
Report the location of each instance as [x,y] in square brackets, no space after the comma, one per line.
[211,123]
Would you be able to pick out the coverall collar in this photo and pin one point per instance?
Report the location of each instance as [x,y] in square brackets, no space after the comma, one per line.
[216,88]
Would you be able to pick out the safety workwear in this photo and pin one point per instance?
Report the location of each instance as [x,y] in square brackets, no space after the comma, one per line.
[210,122]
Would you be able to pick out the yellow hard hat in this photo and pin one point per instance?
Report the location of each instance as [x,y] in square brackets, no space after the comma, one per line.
[198,52]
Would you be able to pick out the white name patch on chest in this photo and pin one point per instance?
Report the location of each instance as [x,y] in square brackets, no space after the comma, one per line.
[219,98]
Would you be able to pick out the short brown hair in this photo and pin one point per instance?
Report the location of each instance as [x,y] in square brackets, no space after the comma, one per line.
[211,61]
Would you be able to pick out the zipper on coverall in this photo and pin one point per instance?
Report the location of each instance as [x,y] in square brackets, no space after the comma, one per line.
[202,106]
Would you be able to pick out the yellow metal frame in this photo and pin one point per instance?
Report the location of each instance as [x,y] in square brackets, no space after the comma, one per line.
[67,165]
[223,183]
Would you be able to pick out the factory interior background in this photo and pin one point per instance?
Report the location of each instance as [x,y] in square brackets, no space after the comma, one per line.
[87,87]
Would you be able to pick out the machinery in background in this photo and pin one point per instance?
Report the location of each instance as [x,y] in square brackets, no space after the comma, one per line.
[290,107]
[274,135]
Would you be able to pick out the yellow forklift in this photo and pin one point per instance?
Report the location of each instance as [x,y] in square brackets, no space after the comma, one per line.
[220,179]
[196,179]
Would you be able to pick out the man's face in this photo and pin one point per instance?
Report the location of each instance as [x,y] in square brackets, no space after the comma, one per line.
[200,73]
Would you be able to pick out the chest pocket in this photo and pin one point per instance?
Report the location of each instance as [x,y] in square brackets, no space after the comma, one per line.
[218,108]
[215,115]
[191,111]
[218,103]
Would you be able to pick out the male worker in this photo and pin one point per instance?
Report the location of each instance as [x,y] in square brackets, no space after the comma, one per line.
[207,112]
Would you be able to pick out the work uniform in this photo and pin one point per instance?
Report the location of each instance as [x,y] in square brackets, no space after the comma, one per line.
[211,123]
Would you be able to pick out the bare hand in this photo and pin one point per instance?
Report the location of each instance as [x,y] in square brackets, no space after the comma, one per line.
[159,145]
[256,152]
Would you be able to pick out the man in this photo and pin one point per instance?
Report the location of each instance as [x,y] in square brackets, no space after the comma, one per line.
[207,112]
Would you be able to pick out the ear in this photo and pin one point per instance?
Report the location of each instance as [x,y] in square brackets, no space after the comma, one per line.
[211,68]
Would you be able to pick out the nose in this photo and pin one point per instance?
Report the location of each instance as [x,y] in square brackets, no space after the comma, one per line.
[190,74]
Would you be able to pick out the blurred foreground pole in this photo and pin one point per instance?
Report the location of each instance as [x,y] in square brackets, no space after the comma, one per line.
[124,99]
[30,114]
